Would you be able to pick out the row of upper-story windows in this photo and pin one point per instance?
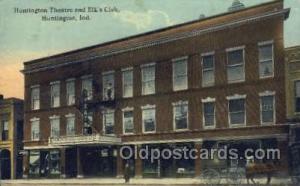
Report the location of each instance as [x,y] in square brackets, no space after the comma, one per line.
[235,73]
[236,116]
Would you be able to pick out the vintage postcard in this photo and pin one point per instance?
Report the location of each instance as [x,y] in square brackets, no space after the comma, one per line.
[149,92]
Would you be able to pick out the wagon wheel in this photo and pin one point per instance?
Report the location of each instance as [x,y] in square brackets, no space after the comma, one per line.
[211,176]
[235,178]
[262,178]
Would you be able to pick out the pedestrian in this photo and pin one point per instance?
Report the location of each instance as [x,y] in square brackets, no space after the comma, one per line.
[127,172]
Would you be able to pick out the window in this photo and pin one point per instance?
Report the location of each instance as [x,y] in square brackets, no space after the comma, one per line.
[128,127]
[70,129]
[54,162]
[267,109]
[54,122]
[180,80]
[127,83]
[235,65]
[266,63]
[108,122]
[237,111]
[87,85]
[148,115]
[148,79]
[4,135]
[70,92]
[35,98]
[108,86]
[180,112]
[55,94]
[35,129]
[208,77]
[297,96]
[208,113]
[34,162]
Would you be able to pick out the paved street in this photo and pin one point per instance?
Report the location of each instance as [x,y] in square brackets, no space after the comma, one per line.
[95,182]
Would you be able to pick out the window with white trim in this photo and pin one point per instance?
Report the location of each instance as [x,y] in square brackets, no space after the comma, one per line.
[148,116]
[55,94]
[180,79]
[235,65]
[70,127]
[35,98]
[266,62]
[148,79]
[180,115]
[208,76]
[237,112]
[108,83]
[127,75]
[70,84]
[128,125]
[267,109]
[297,95]
[4,130]
[209,114]
[35,129]
[109,122]
[87,85]
[55,127]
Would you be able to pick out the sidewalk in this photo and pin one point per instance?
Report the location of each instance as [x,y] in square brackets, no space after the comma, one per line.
[116,181]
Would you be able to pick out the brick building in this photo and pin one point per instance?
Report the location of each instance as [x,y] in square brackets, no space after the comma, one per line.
[207,83]
[11,136]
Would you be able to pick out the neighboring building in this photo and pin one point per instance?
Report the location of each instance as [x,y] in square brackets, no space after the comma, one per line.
[207,83]
[11,136]
[292,58]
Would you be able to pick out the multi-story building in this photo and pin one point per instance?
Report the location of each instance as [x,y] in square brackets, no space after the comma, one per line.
[213,82]
[11,136]
[292,58]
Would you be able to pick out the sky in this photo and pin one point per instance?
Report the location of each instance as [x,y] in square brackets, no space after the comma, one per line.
[24,36]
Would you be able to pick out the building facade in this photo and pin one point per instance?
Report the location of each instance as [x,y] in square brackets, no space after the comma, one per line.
[213,82]
[11,136]
[292,58]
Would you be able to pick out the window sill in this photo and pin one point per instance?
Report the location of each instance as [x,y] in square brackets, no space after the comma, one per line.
[236,81]
[152,132]
[181,130]
[237,125]
[267,77]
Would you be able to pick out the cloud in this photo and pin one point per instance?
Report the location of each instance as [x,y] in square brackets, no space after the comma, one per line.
[145,20]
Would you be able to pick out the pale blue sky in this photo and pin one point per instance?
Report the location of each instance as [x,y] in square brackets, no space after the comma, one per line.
[26,37]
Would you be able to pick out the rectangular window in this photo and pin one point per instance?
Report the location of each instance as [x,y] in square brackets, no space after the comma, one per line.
[70,92]
[5,129]
[35,98]
[128,127]
[267,109]
[109,122]
[127,83]
[108,86]
[55,94]
[297,96]
[148,79]
[209,114]
[55,128]
[34,162]
[87,85]
[237,112]
[180,111]
[54,162]
[266,62]
[180,79]
[148,115]
[35,129]
[70,129]
[208,77]
[235,65]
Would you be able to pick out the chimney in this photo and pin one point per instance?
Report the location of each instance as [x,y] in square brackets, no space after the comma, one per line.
[1,97]
[236,5]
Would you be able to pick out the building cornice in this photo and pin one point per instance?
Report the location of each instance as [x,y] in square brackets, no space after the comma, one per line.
[165,39]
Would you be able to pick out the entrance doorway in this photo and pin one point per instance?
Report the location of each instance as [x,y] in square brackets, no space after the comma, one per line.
[5,164]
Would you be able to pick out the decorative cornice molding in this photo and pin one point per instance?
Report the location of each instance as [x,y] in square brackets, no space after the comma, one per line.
[166,39]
